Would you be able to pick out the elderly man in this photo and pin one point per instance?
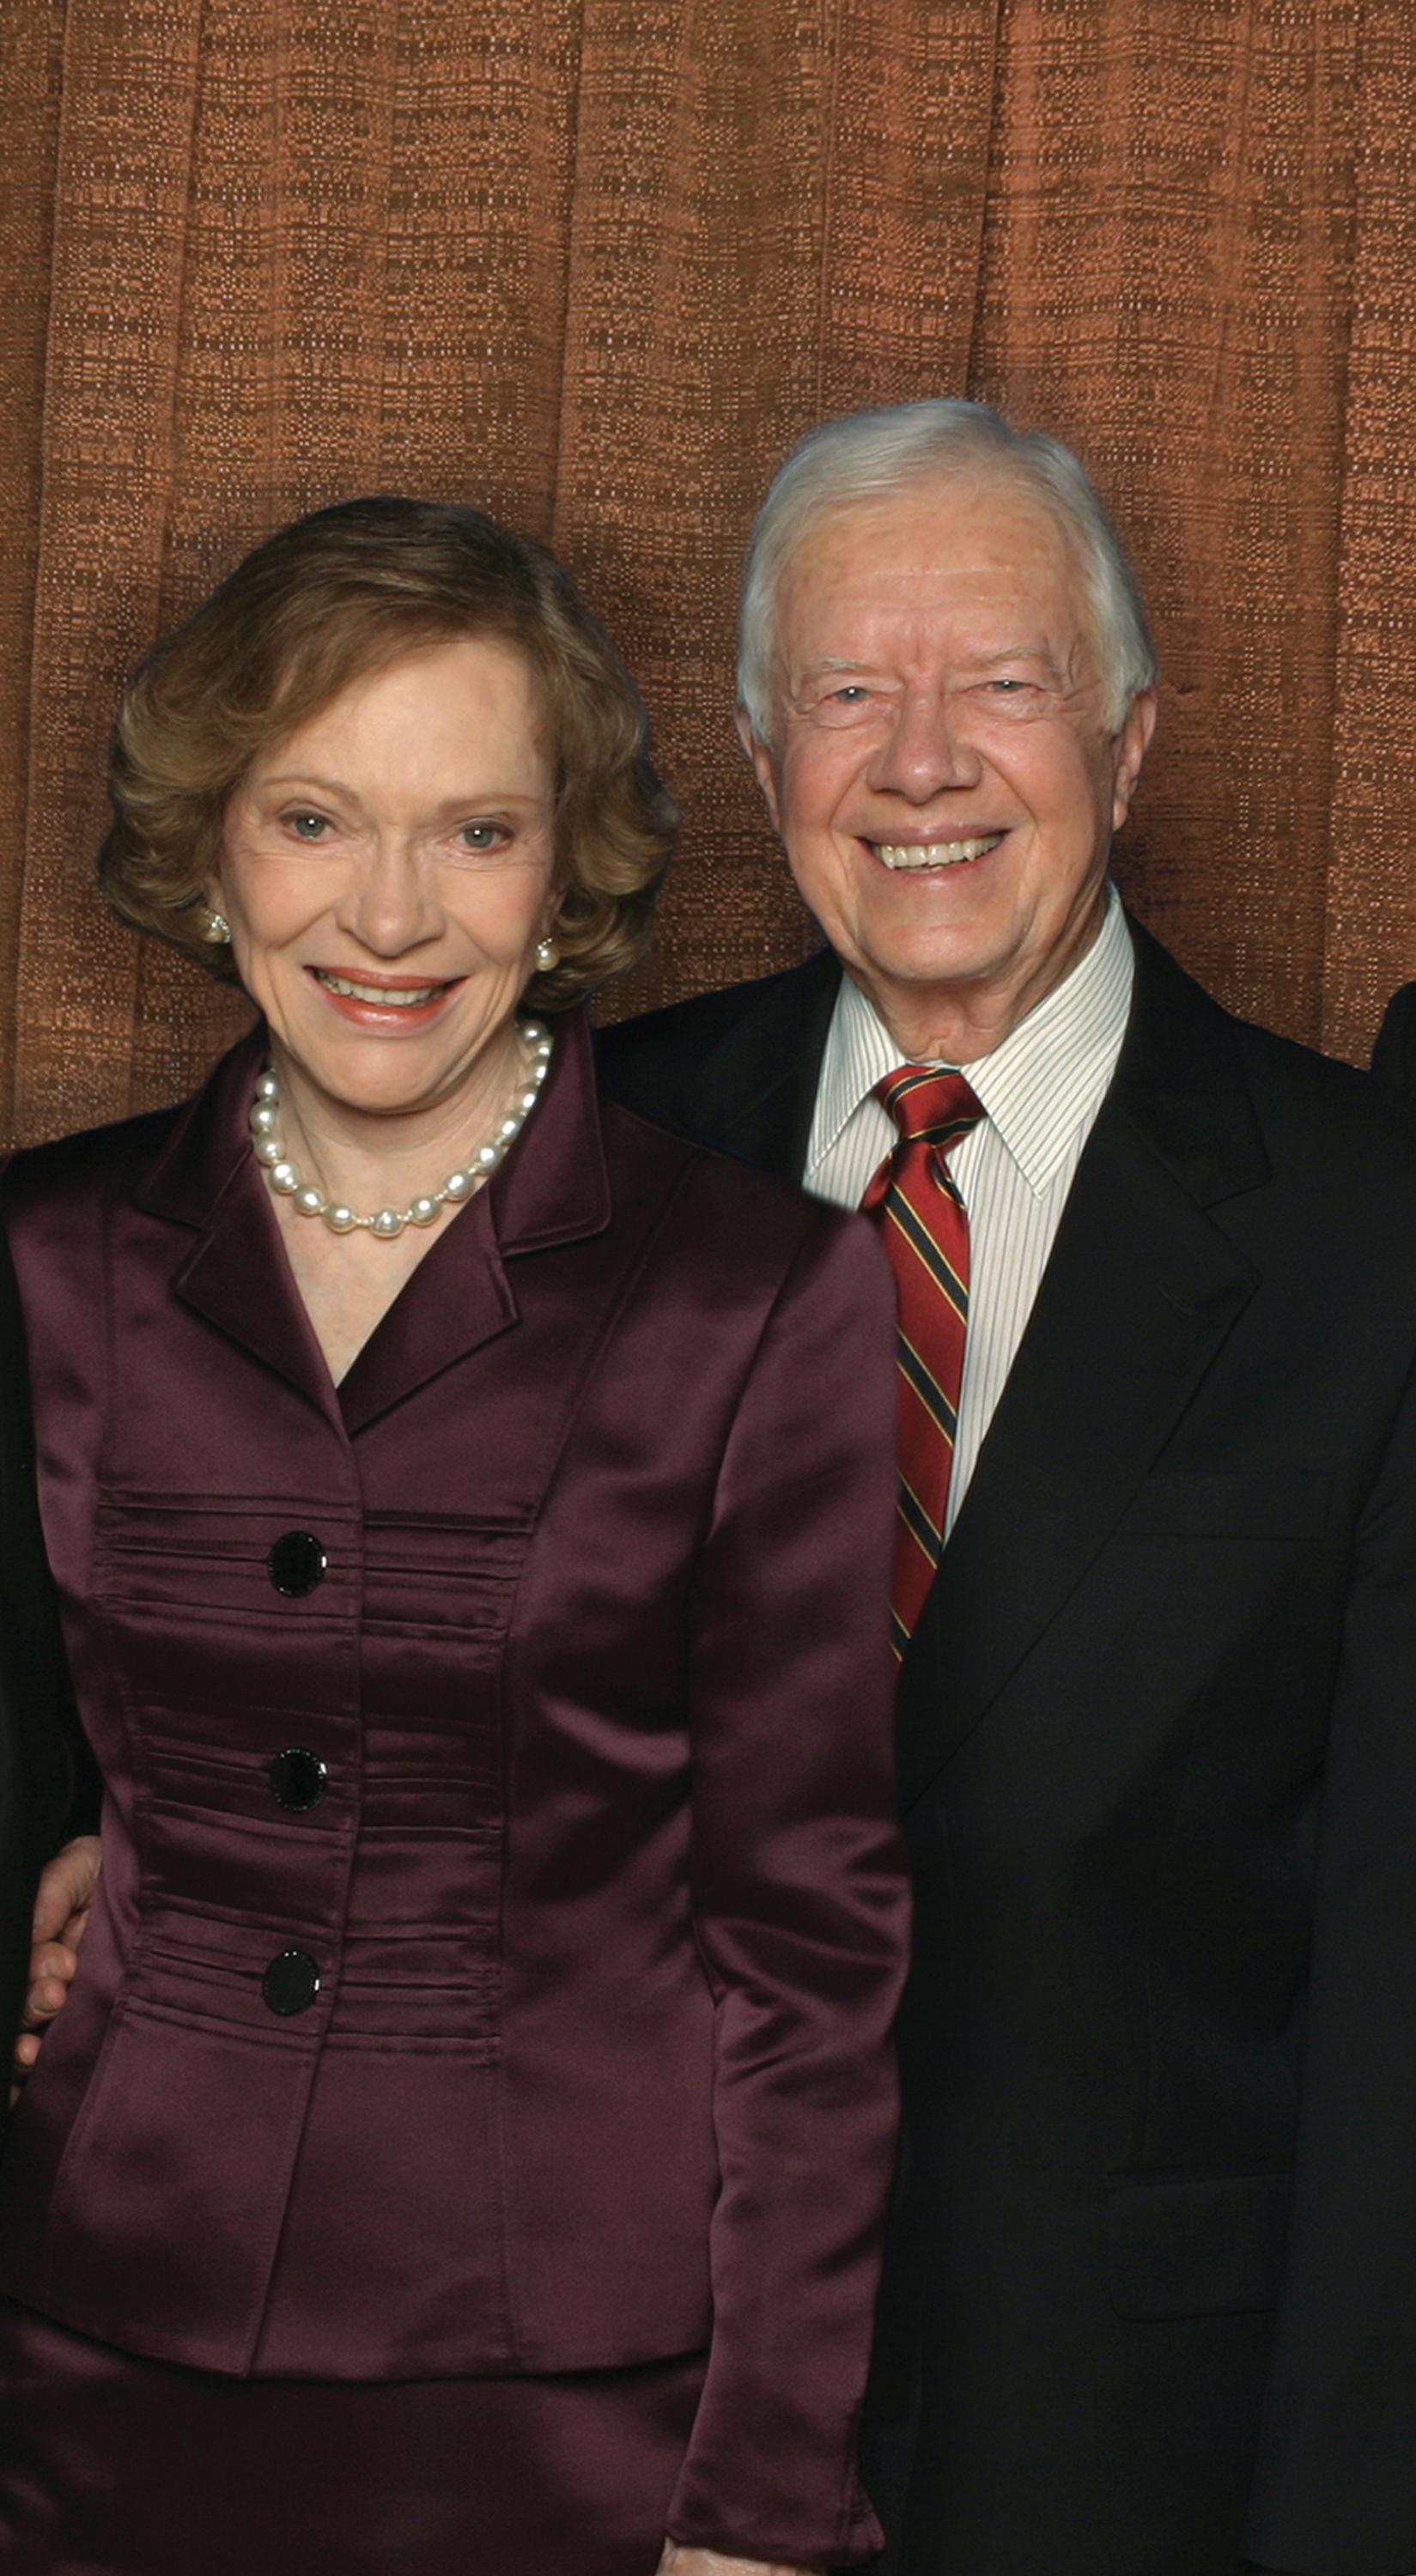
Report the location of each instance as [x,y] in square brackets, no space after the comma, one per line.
[1152,2302]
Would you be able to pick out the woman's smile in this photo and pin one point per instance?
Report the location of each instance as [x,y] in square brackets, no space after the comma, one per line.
[383,1002]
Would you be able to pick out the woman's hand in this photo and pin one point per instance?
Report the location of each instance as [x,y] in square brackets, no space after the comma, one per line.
[710,2562]
[61,1912]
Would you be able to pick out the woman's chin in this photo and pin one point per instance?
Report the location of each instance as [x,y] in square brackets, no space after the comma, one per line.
[373,1077]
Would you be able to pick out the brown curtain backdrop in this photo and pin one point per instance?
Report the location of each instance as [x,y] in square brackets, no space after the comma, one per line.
[596,263]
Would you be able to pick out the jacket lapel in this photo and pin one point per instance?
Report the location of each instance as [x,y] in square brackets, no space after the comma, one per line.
[1142,1288]
[554,1189]
[234,1272]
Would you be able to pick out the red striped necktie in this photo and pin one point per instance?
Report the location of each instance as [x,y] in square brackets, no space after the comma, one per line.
[925,1229]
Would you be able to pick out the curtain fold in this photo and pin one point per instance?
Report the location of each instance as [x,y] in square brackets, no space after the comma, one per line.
[596,265]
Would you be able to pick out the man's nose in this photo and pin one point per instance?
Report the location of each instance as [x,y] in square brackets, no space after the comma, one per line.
[389,904]
[925,751]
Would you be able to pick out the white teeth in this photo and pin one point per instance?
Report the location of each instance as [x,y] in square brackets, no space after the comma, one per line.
[379,993]
[934,854]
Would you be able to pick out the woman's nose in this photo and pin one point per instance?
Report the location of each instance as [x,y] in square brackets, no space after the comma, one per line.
[389,905]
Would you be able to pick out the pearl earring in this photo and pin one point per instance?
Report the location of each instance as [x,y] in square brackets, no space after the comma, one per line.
[218,929]
[547,955]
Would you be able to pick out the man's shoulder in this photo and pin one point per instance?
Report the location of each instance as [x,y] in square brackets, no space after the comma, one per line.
[1294,1088]
[729,1223]
[1317,1097]
[651,1159]
[1291,1138]
[642,1061]
[1333,1133]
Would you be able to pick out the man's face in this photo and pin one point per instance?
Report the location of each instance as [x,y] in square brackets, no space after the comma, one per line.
[941,774]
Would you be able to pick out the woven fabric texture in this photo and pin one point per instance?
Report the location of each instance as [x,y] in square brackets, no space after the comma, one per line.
[595,264]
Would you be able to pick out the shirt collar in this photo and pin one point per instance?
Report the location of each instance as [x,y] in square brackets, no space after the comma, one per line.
[1045,1080]
[859,1053]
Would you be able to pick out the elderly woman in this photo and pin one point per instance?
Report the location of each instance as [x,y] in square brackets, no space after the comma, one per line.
[463,2147]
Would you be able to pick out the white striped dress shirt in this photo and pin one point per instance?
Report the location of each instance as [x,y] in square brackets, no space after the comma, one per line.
[1040,1091]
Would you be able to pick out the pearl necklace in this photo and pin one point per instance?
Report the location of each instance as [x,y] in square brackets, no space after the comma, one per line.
[269,1147]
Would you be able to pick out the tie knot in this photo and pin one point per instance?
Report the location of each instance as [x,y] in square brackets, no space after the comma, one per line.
[928,1105]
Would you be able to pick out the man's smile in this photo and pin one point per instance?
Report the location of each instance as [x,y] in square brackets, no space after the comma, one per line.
[934,854]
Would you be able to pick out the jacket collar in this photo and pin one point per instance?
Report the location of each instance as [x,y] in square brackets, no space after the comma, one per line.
[553,1189]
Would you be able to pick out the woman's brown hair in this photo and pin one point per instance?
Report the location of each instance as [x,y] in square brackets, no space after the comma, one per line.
[318,605]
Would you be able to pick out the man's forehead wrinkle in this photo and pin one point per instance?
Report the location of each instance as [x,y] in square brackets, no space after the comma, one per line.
[925,499]
[877,598]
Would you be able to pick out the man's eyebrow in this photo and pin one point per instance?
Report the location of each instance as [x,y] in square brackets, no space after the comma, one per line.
[827,665]
[1017,653]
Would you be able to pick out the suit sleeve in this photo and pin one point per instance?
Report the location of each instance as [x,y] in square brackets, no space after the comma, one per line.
[1335,2493]
[800,1911]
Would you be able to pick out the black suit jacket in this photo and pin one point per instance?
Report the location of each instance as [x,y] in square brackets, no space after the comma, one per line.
[1152,2302]
[39,1754]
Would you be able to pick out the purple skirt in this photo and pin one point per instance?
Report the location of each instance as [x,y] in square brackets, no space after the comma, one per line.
[111,2466]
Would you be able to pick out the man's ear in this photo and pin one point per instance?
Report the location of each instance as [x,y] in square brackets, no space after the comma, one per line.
[1132,744]
[760,755]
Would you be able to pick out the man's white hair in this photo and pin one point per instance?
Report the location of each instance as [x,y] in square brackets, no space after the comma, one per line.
[866,453]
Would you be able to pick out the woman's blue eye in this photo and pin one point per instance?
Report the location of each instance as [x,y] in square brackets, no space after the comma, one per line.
[306,827]
[482,836]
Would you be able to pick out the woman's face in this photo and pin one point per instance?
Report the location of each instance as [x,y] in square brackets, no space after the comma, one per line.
[387,871]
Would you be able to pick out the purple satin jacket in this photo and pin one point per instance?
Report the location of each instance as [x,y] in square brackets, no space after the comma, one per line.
[502,1914]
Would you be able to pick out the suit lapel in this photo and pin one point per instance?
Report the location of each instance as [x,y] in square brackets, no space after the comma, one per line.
[237,1276]
[554,1189]
[754,1093]
[234,1272]
[1140,1293]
